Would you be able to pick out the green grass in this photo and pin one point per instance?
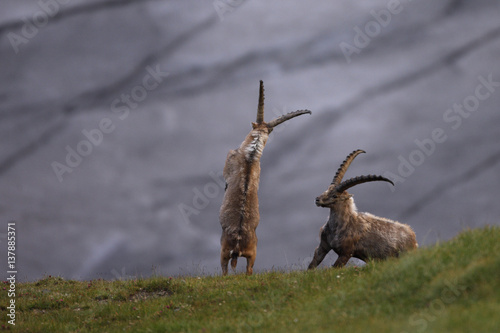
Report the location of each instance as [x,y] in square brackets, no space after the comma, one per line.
[449,287]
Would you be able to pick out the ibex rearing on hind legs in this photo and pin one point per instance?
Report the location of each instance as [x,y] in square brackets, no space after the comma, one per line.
[353,234]
[239,214]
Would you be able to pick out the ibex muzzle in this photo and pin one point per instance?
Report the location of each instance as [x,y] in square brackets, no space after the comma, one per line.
[239,213]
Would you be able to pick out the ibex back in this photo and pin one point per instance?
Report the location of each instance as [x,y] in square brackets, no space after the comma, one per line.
[239,213]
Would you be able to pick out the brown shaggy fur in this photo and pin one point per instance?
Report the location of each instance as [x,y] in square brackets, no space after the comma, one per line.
[353,234]
[239,213]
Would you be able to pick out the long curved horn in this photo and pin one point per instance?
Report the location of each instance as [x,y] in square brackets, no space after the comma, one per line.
[360,180]
[344,166]
[275,122]
[260,108]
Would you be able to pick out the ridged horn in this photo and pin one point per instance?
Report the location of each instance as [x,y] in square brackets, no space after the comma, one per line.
[344,166]
[260,108]
[360,180]
[275,122]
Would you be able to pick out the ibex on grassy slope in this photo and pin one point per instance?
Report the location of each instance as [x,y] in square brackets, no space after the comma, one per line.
[353,234]
[239,214]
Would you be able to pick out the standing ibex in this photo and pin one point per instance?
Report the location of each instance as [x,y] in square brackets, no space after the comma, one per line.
[353,234]
[239,214]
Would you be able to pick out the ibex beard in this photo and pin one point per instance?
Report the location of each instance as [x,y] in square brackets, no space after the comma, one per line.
[353,234]
[239,213]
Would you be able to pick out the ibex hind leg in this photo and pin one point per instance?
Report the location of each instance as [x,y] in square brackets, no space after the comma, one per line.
[250,262]
[250,255]
[224,260]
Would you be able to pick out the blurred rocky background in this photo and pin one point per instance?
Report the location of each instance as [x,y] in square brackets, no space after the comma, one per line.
[116,117]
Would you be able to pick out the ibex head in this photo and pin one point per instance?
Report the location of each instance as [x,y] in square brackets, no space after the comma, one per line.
[337,191]
[268,127]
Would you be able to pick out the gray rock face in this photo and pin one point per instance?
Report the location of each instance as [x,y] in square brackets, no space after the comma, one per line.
[116,118]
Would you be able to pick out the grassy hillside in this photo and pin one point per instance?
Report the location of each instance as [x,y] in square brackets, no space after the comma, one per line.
[449,287]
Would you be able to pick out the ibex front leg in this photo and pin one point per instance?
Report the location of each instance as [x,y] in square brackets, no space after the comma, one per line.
[319,254]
